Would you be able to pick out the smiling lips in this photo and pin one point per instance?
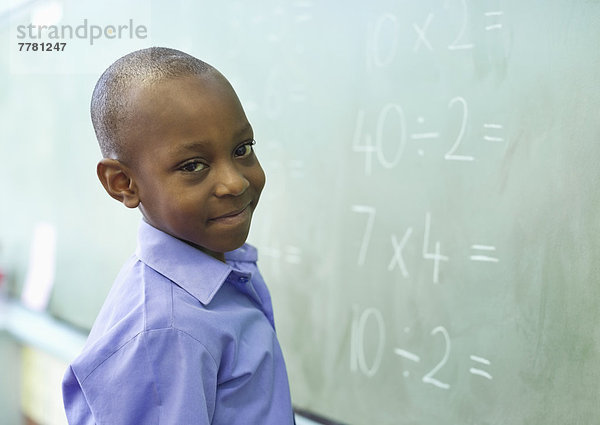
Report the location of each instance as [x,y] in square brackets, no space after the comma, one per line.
[233,217]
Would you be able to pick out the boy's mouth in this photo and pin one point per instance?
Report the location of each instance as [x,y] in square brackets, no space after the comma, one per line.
[234,216]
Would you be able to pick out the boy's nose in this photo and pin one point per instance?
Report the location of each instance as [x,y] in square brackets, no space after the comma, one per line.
[231,182]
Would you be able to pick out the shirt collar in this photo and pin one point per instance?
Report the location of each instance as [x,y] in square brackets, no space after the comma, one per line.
[195,271]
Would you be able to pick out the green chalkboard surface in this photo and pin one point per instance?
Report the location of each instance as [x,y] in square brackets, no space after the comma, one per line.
[430,229]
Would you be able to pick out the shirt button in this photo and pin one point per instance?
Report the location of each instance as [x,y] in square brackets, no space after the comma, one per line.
[243,279]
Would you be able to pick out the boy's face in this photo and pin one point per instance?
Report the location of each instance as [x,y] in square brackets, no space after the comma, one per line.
[195,171]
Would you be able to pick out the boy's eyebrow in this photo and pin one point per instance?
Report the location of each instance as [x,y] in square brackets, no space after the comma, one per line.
[198,145]
[244,129]
[192,146]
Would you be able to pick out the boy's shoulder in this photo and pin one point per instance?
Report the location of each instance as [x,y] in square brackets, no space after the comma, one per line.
[169,287]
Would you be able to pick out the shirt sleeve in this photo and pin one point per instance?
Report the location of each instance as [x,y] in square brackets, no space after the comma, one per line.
[159,377]
[76,407]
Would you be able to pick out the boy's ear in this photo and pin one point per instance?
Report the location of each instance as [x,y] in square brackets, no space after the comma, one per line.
[118,182]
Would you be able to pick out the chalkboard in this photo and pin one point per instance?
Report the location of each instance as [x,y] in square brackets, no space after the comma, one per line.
[429,228]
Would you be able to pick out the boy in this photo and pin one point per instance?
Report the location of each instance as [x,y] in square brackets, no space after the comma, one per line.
[186,334]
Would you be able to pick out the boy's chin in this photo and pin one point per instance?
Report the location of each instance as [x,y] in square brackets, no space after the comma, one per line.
[219,250]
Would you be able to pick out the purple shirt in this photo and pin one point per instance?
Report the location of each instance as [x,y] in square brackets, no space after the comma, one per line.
[182,339]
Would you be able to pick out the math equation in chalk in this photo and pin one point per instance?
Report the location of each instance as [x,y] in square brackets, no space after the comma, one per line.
[384,35]
[479,251]
[370,323]
[388,151]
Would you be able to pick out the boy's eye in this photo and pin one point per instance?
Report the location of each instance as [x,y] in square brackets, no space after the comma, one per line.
[244,150]
[193,166]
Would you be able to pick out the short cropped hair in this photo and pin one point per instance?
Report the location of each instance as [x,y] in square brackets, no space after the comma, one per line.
[110,103]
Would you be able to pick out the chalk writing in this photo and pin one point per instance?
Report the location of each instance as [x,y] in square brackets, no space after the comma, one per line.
[377,337]
[459,43]
[397,259]
[358,360]
[364,246]
[385,142]
[496,25]
[435,256]
[451,154]
[431,249]
[421,33]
